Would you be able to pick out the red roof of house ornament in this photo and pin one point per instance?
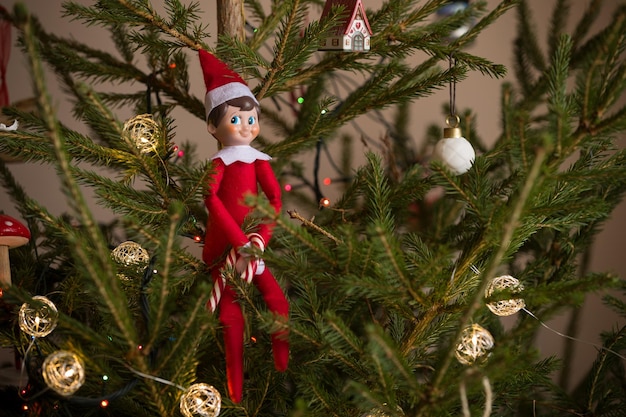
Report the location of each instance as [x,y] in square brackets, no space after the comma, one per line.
[351,9]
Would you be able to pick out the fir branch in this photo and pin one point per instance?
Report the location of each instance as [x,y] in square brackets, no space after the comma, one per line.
[308,223]
[494,262]
[101,272]
[558,22]
[161,301]
[290,28]
[149,18]
[557,98]
[399,271]
[586,21]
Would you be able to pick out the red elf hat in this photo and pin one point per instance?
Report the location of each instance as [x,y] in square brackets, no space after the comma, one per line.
[222,83]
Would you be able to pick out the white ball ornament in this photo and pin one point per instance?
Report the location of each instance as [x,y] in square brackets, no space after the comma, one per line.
[63,372]
[40,318]
[200,400]
[454,150]
[475,342]
[505,307]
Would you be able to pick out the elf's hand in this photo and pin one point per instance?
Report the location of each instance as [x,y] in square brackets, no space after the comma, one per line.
[245,257]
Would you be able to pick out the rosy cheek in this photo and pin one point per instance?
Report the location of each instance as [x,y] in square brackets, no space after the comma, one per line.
[255,130]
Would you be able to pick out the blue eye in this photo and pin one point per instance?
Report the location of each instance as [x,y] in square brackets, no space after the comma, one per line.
[235,120]
[251,120]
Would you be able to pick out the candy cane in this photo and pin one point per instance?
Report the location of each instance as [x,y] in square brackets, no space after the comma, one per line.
[231,260]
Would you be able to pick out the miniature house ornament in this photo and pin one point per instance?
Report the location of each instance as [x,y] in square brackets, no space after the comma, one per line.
[352,32]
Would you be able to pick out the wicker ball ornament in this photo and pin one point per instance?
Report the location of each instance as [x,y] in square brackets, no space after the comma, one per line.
[40,318]
[505,307]
[130,253]
[63,372]
[143,132]
[475,342]
[201,400]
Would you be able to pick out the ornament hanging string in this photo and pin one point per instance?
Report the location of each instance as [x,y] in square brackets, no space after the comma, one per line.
[5,53]
[451,65]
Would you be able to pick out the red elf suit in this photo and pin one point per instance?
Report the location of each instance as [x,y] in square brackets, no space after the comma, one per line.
[239,170]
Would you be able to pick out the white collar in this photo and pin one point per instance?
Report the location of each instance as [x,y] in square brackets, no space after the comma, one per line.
[242,153]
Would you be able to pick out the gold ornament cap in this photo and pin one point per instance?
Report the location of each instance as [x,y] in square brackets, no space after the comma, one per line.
[453,130]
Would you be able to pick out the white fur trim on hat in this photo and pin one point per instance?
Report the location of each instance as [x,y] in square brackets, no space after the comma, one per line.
[223,93]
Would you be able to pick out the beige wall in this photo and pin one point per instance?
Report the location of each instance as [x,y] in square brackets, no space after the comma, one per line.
[479,93]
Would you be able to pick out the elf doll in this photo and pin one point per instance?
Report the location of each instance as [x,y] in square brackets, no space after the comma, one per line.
[232,114]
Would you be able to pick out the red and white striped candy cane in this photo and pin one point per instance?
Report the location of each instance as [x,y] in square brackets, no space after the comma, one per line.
[231,260]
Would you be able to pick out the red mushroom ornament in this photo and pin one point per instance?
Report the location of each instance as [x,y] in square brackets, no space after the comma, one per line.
[12,234]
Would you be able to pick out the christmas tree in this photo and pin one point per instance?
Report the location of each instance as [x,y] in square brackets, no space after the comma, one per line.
[396,285]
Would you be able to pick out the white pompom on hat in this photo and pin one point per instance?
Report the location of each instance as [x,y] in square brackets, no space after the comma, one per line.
[222,83]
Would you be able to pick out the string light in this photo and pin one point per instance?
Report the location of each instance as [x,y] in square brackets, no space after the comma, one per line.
[324,202]
[200,400]
[39,319]
[505,307]
[63,372]
[130,253]
[142,131]
[475,342]
[509,282]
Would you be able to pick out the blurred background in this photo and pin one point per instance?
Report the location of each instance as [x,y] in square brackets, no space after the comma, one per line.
[479,93]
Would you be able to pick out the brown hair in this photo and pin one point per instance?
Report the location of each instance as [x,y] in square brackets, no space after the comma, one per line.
[244,103]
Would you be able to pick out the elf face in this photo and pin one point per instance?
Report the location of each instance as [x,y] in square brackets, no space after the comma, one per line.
[237,127]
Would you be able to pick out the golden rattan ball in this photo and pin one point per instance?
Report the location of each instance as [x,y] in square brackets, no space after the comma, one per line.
[475,342]
[201,400]
[505,307]
[38,319]
[130,253]
[143,132]
[63,372]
